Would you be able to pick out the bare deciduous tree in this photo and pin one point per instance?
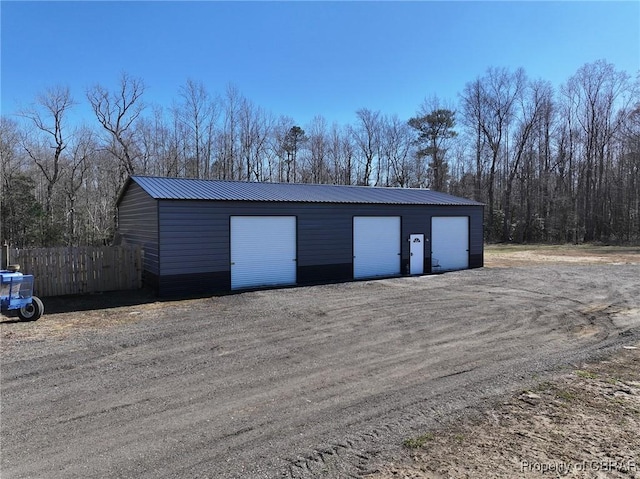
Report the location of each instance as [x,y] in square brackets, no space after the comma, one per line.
[488,102]
[598,99]
[318,151]
[82,151]
[198,113]
[254,129]
[396,148]
[117,112]
[527,113]
[366,136]
[46,144]
[338,155]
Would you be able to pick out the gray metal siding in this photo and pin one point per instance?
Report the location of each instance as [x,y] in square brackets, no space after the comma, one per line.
[138,224]
[194,236]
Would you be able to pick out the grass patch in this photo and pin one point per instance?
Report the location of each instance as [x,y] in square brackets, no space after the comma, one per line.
[565,395]
[544,386]
[586,374]
[418,442]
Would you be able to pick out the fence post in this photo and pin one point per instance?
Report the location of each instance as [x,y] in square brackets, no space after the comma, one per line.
[4,258]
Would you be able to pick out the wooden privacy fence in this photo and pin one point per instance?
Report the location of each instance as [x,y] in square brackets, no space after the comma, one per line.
[81,269]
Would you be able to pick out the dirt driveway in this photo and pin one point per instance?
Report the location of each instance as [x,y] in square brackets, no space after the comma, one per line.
[324,381]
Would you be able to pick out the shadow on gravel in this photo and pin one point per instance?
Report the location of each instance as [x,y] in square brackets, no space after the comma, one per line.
[93,301]
[10,318]
[111,299]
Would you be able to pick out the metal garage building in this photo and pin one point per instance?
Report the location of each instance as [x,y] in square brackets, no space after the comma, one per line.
[202,236]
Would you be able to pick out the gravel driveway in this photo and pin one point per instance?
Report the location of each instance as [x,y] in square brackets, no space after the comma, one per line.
[319,381]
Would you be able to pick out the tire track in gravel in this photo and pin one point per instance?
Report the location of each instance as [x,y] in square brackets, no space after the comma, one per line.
[353,462]
[307,382]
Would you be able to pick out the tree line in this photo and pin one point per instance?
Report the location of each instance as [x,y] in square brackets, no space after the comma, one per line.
[551,165]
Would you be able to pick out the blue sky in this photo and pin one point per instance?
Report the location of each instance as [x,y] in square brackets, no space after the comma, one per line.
[303,59]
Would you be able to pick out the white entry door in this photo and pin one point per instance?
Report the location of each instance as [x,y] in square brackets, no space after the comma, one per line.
[449,243]
[376,246]
[416,248]
[263,251]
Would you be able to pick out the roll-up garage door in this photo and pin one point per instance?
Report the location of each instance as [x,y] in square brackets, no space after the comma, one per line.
[376,246]
[449,243]
[263,251]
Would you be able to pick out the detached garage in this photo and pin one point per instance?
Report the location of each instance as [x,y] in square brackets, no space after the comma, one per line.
[202,236]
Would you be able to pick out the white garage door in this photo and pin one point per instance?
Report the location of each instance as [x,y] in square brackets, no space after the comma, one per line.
[376,246]
[263,251]
[449,243]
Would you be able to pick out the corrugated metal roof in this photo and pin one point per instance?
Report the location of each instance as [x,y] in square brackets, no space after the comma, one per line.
[192,189]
